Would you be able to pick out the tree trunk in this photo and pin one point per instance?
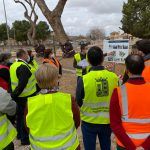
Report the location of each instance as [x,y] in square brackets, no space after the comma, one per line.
[58,29]
[54,19]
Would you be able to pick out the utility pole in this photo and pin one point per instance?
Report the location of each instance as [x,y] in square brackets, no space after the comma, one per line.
[6,21]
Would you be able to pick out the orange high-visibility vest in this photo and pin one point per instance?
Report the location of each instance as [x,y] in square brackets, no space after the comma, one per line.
[54,62]
[146,72]
[134,101]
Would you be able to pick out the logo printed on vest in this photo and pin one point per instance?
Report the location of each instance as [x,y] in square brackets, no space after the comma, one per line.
[102,88]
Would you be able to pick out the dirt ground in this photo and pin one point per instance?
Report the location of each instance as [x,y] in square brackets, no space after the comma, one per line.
[68,85]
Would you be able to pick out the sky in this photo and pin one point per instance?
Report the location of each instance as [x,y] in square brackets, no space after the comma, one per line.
[79,16]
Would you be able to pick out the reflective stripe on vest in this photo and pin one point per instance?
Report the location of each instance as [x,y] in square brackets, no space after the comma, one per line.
[139,136]
[125,117]
[64,147]
[7,132]
[53,138]
[96,105]
[100,114]
[3,121]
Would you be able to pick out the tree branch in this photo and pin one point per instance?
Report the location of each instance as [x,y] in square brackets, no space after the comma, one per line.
[60,7]
[18,1]
[42,5]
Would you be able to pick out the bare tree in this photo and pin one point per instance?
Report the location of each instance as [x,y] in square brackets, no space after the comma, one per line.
[31,16]
[97,33]
[54,18]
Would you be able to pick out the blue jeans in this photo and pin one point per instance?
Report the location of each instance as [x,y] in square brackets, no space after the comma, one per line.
[90,133]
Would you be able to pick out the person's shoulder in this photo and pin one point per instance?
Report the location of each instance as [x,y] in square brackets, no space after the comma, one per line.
[64,94]
[76,54]
[112,74]
[2,91]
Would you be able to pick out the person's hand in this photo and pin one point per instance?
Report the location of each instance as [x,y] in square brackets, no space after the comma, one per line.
[140,148]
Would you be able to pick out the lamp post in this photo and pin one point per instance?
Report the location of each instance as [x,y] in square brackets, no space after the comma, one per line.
[6,20]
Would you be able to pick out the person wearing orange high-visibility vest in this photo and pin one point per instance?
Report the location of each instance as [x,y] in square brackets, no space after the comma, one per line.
[49,58]
[142,48]
[130,108]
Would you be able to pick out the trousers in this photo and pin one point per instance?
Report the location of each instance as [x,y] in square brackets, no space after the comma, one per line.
[90,133]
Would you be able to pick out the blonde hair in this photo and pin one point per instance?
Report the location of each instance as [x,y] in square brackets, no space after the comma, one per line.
[47,76]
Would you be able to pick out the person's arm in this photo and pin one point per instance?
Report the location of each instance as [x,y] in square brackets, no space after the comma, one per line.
[75,64]
[25,115]
[76,113]
[116,122]
[60,68]
[7,105]
[4,74]
[146,144]
[23,75]
[80,92]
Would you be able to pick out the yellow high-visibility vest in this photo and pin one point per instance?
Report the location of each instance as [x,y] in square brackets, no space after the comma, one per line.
[30,87]
[78,59]
[34,67]
[7,132]
[98,88]
[50,122]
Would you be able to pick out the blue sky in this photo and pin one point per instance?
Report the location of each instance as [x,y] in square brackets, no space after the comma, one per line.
[79,16]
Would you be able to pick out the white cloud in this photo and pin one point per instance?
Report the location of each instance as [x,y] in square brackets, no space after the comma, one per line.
[78,17]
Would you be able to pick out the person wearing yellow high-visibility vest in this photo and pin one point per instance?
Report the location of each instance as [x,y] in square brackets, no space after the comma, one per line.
[33,63]
[80,68]
[23,85]
[52,116]
[7,131]
[93,96]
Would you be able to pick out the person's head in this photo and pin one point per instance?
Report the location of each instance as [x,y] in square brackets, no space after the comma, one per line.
[143,46]
[47,76]
[39,48]
[134,64]
[30,54]
[95,56]
[48,54]
[84,48]
[5,58]
[22,54]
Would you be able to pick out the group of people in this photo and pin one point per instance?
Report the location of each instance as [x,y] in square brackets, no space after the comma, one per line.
[48,119]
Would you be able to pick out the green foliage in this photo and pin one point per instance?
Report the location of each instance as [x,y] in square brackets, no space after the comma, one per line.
[3,32]
[136,18]
[21,29]
[42,31]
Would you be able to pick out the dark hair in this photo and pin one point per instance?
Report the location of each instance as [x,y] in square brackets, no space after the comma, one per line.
[135,64]
[47,52]
[20,53]
[83,46]
[144,46]
[4,56]
[95,56]
[29,52]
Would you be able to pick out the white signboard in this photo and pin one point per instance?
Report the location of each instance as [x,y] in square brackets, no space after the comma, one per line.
[120,49]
